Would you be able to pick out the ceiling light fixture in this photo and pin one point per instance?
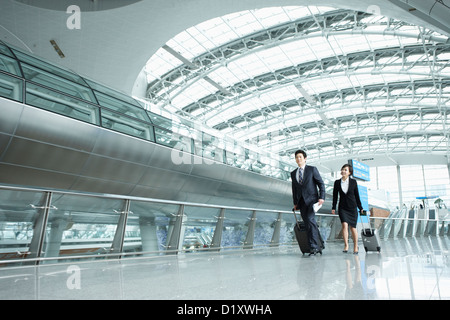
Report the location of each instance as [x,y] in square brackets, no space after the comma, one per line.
[57,49]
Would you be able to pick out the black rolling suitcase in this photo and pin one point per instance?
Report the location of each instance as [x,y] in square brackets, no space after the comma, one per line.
[370,237]
[302,236]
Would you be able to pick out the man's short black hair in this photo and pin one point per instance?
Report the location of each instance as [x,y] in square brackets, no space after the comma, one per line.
[302,152]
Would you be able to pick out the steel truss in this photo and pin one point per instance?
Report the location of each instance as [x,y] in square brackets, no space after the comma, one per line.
[406,115]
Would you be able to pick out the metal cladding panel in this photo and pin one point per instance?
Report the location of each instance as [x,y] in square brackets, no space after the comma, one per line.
[44,149]
[54,129]
[35,154]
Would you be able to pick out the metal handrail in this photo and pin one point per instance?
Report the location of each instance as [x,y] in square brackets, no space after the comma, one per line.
[119,255]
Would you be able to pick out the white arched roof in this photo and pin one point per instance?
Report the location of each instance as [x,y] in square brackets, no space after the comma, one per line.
[370,87]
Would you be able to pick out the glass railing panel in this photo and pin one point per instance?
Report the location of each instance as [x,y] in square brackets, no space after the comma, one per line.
[160,121]
[121,123]
[5,50]
[181,143]
[48,68]
[56,102]
[148,227]
[209,149]
[122,107]
[113,93]
[81,225]
[10,65]
[11,87]
[287,234]
[264,228]
[54,82]
[235,157]
[18,213]
[173,140]
[235,229]
[199,224]
[325,224]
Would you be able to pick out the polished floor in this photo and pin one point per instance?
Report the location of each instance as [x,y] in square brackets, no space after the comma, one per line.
[410,268]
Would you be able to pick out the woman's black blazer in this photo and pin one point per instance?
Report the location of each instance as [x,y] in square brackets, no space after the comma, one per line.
[347,201]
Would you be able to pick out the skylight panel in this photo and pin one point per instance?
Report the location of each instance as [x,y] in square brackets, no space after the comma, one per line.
[224,77]
[317,86]
[242,23]
[274,58]
[320,47]
[185,45]
[298,51]
[279,95]
[271,16]
[160,63]
[351,43]
[248,66]
[196,91]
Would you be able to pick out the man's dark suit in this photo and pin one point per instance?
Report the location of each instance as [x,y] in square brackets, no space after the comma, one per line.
[304,195]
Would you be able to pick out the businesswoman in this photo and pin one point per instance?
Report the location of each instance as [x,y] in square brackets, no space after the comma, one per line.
[346,189]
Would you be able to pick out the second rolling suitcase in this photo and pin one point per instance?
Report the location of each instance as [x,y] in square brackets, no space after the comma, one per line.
[370,237]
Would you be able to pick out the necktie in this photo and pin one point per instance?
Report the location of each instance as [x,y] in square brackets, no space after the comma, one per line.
[300,175]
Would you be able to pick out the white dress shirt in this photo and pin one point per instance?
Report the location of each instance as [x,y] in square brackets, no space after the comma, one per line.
[344,185]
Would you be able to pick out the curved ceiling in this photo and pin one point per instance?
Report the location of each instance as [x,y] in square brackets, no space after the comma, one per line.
[339,83]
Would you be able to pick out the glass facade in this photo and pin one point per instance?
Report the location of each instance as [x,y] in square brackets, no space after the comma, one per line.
[416,181]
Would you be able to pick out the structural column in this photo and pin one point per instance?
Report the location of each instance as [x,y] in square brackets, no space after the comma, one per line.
[53,244]
[148,231]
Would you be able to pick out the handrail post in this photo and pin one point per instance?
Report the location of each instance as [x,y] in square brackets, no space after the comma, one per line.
[39,229]
[275,242]
[217,237]
[174,241]
[248,243]
[119,236]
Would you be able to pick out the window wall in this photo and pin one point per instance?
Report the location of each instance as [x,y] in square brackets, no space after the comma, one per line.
[415,181]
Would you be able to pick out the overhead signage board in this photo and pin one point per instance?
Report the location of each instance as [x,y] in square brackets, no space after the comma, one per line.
[360,170]
[364,197]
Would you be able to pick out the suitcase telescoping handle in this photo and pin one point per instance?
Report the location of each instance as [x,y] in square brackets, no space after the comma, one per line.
[293,211]
[364,213]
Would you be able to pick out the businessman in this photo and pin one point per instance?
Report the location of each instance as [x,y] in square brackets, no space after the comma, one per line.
[307,189]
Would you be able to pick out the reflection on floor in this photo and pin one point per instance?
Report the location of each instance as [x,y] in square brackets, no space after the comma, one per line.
[411,268]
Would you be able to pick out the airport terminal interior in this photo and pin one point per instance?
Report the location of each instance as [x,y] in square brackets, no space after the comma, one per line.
[146,148]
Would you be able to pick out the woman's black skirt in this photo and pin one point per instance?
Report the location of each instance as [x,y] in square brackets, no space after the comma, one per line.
[349,216]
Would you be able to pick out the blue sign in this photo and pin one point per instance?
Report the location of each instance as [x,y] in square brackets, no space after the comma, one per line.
[364,196]
[360,170]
